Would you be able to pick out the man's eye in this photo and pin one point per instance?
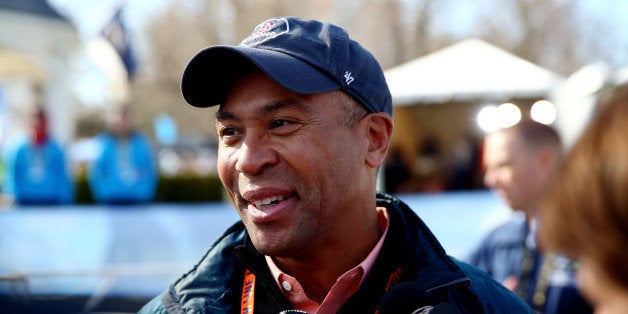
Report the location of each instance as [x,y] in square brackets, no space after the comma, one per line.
[228,132]
[279,123]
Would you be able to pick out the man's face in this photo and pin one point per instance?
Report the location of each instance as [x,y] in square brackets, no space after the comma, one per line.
[513,171]
[294,172]
[120,122]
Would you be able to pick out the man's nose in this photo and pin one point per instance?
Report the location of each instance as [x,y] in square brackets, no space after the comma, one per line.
[254,156]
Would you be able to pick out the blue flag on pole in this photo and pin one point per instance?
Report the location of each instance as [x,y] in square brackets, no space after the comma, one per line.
[116,33]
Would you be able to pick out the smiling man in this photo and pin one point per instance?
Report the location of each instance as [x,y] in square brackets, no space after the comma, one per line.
[304,123]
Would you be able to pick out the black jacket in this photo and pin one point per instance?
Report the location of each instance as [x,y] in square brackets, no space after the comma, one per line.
[410,253]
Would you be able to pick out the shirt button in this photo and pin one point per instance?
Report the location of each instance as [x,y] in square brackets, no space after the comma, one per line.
[286,285]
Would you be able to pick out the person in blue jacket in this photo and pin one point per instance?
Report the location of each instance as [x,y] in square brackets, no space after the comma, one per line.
[125,171]
[37,171]
[304,122]
[520,163]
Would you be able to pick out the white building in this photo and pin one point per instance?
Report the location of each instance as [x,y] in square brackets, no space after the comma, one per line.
[37,45]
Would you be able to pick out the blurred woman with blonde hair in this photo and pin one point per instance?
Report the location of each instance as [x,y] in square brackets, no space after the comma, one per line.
[585,216]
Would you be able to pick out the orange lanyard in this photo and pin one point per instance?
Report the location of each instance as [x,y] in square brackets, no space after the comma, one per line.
[248,293]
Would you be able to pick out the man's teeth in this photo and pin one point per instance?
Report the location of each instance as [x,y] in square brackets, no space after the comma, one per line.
[268,200]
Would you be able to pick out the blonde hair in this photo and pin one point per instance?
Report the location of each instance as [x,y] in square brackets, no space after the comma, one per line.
[586,212]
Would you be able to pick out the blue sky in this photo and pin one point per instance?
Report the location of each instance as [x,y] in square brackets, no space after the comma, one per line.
[91,16]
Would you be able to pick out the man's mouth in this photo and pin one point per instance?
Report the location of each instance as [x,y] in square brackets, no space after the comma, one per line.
[268,202]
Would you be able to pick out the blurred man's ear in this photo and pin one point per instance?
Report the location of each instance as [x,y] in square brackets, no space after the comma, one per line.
[548,158]
[380,126]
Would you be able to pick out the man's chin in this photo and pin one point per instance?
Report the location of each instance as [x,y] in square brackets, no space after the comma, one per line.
[266,243]
[270,250]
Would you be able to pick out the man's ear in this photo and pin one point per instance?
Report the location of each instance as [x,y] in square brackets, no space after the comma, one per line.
[379,128]
[547,158]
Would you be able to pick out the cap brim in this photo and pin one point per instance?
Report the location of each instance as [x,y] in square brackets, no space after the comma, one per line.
[208,77]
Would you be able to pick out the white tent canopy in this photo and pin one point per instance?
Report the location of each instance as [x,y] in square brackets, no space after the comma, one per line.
[470,69]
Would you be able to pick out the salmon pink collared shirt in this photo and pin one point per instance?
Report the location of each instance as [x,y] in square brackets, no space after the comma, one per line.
[345,286]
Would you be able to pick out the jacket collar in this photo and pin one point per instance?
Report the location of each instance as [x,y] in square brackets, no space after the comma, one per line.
[422,255]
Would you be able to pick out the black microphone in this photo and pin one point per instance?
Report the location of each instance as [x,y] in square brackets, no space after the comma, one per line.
[409,298]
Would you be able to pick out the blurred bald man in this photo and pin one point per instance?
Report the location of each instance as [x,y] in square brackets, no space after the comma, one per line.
[520,162]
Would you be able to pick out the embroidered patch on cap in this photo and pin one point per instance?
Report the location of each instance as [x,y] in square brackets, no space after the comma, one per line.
[265,31]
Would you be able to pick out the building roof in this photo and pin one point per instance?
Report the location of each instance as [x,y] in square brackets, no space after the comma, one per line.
[36,7]
[470,69]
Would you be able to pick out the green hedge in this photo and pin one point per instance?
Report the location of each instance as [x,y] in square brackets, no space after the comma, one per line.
[189,189]
[177,189]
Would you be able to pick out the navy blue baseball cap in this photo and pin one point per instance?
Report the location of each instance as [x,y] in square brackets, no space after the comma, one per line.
[307,57]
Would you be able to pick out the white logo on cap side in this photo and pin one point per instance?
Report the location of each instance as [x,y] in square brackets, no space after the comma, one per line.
[348,77]
[266,30]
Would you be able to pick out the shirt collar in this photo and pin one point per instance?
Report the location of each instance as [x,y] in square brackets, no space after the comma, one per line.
[364,268]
